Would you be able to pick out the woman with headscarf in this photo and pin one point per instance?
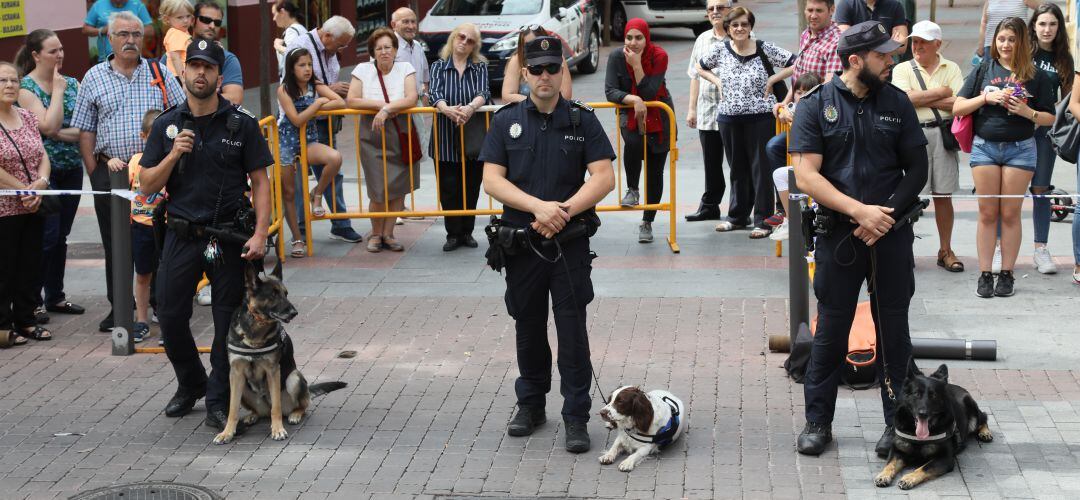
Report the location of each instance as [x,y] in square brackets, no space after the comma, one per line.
[635,75]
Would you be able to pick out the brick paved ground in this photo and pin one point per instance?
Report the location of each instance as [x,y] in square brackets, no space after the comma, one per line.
[430,390]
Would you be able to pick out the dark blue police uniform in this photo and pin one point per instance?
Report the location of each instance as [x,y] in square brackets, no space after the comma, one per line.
[208,191]
[868,147]
[546,156]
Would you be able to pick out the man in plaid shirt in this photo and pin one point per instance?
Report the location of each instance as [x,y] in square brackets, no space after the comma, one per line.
[817,45]
[109,109]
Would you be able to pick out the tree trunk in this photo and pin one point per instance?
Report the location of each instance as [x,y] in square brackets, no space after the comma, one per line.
[265,52]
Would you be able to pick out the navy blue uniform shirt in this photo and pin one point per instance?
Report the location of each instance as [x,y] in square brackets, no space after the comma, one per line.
[545,155]
[859,139]
[215,174]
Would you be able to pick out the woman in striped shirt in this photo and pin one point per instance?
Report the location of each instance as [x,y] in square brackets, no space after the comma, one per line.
[459,86]
[996,10]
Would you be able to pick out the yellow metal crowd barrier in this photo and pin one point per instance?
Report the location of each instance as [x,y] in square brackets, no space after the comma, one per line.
[439,211]
[783,128]
[269,129]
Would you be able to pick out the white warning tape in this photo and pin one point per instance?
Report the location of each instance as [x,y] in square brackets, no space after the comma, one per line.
[796,197]
[123,193]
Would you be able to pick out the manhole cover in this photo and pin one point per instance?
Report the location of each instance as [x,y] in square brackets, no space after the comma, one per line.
[149,491]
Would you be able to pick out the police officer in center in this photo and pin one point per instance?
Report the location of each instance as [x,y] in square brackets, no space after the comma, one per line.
[535,158]
[863,159]
[204,151]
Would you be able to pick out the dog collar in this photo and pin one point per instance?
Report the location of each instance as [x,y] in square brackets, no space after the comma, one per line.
[243,349]
[941,436]
[666,434]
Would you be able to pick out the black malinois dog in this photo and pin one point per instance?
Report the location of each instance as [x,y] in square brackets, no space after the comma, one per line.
[262,370]
[933,422]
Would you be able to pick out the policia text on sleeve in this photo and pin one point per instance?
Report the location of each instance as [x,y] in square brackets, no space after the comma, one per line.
[863,159]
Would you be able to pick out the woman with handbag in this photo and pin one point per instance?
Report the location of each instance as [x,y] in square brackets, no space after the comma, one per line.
[1008,97]
[51,97]
[389,88]
[1052,57]
[459,86]
[750,77]
[23,165]
[636,74]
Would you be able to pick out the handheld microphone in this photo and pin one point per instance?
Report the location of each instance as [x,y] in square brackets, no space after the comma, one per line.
[188,126]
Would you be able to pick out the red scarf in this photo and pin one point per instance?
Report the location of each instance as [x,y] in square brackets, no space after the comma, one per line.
[653,62]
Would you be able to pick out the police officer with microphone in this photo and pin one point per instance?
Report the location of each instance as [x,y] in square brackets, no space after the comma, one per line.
[863,159]
[535,158]
[204,151]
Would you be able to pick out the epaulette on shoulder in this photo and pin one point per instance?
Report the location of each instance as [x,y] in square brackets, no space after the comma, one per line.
[579,104]
[898,89]
[507,106]
[246,112]
[815,89]
[168,109]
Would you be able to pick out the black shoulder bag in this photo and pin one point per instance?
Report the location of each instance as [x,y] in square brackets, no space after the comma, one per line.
[49,204]
[948,140]
[779,89]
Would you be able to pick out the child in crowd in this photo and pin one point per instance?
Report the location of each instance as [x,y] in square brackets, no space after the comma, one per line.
[178,16]
[777,148]
[143,247]
[300,96]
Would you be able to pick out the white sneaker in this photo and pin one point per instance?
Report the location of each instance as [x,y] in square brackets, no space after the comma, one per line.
[781,232]
[995,267]
[203,299]
[1044,263]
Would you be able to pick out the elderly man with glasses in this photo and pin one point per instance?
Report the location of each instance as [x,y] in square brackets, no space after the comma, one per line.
[113,97]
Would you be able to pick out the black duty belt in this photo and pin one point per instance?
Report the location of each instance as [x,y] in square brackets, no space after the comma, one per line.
[933,124]
[191,230]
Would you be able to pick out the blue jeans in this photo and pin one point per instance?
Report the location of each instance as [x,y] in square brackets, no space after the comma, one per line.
[1076,224]
[54,237]
[338,194]
[776,148]
[1044,170]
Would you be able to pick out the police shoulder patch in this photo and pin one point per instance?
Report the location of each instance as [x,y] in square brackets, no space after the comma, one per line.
[579,104]
[244,111]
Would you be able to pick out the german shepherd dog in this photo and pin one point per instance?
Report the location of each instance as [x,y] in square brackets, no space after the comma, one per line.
[262,370]
[933,422]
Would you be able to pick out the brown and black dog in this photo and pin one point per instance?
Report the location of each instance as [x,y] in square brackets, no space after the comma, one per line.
[262,370]
[934,420]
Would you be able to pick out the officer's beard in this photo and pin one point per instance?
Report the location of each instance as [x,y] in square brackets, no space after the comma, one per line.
[870,80]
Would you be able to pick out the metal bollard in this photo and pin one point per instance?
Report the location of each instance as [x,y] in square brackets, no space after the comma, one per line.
[798,271]
[122,270]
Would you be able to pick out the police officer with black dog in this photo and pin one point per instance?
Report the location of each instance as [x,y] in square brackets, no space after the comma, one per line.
[863,160]
[204,151]
[535,158]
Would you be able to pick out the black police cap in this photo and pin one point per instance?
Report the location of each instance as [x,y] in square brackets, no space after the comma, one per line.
[869,35]
[206,50]
[543,50]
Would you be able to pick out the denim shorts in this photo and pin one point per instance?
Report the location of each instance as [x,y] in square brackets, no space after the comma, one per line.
[1022,154]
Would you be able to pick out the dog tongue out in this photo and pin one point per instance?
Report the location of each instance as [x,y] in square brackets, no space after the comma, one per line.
[922,428]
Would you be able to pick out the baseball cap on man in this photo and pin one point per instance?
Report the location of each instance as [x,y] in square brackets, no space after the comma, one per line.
[206,50]
[543,50]
[868,35]
[926,30]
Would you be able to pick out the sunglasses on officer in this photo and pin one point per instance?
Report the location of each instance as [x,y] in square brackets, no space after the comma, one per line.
[210,21]
[551,68]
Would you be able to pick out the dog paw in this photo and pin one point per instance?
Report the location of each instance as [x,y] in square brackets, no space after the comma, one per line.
[223,437]
[984,435]
[279,434]
[882,480]
[296,418]
[907,483]
[627,465]
[251,419]
[608,458]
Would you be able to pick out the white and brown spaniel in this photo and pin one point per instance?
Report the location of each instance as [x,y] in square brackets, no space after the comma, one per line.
[646,423]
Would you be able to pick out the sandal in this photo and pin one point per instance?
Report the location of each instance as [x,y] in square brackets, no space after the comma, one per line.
[299,249]
[725,226]
[317,210]
[389,243]
[374,244]
[11,339]
[35,333]
[760,233]
[948,261]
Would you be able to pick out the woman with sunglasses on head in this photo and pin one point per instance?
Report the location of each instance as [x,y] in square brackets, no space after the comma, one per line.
[514,87]
[1052,57]
[1008,97]
[50,96]
[635,75]
[747,72]
[459,86]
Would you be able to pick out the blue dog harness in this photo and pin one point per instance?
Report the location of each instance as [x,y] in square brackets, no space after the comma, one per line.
[666,435]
